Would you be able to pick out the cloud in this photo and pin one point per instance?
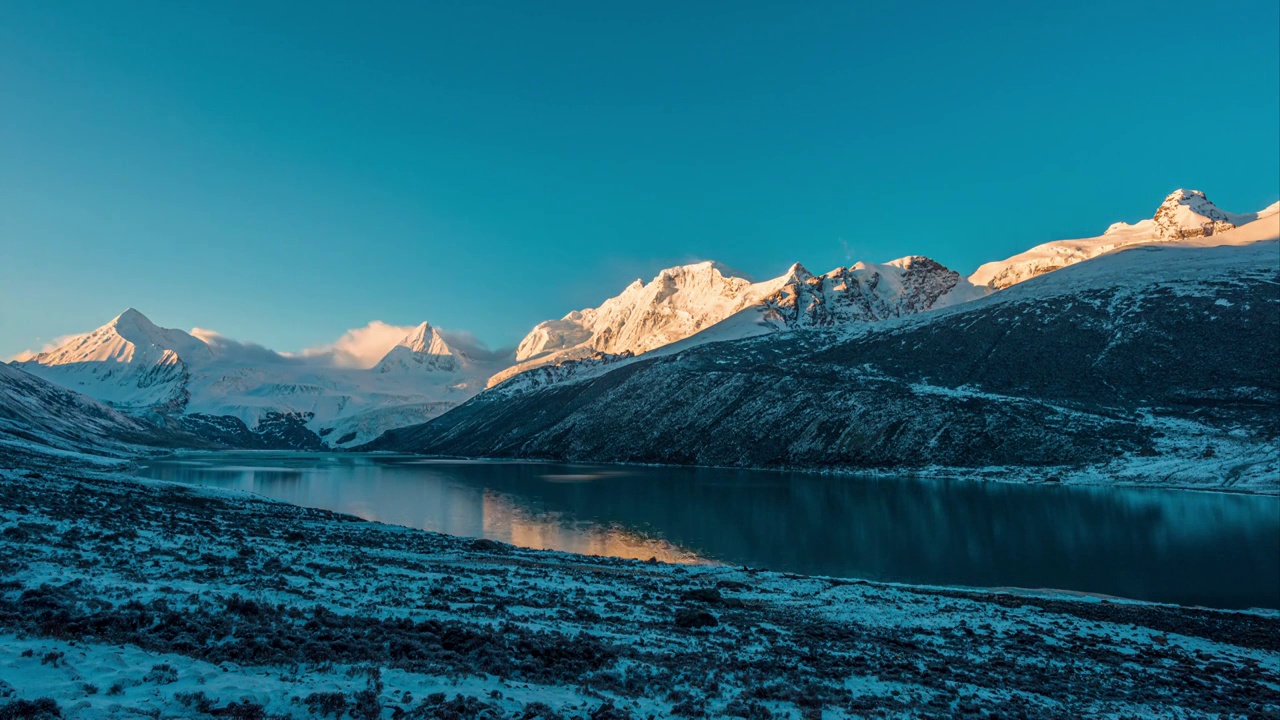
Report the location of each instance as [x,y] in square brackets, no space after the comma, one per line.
[237,351]
[359,347]
[50,346]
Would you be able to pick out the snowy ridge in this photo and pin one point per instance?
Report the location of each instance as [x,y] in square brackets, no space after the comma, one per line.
[863,293]
[866,292]
[1184,214]
[679,302]
[1132,267]
[129,363]
[843,298]
[138,367]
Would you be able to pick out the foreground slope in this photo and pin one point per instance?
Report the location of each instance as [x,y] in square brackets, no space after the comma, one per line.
[130,599]
[1152,364]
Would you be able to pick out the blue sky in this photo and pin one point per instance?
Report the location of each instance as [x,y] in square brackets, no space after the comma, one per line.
[281,172]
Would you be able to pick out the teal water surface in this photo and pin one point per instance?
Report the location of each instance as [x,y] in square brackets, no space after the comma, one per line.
[1212,549]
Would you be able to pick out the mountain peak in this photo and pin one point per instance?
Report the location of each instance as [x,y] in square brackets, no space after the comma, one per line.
[128,362]
[1185,196]
[911,261]
[797,273]
[424,347]
[421,338]
[1184,214]
[703,268]
[1187,214]
[132,320]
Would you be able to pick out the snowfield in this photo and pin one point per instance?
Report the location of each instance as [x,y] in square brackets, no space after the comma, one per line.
[124,597]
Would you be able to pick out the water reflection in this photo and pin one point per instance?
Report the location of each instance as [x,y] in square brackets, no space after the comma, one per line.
[1202,548]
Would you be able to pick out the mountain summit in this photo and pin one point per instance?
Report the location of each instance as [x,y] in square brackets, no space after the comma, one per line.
[422,349]
[129,337]
[866,292]
[266,399]
[129,363]
[1189,214]
[680,301]
[247,396]
[1183,215]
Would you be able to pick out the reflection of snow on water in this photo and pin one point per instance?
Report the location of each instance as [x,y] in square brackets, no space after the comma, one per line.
[254,469]
[568,478]
[506,520]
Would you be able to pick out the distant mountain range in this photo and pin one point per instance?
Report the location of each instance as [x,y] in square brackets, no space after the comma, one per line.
[704,315]
[261,399]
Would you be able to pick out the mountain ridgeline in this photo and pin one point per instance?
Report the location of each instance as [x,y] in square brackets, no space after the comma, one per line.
[1106,365]
[1106,355]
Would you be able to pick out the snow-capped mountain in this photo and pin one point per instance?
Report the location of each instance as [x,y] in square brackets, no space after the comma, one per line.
[797,299]
[1112,368]
[263,399]
[129,362]
[699,303]
[202,382]
[866,292]
[423,350]
[1183,214]
[678,302]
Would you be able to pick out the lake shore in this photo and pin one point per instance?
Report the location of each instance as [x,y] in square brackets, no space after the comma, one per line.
[124,594]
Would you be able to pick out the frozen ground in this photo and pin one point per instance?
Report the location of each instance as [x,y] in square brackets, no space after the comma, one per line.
[122,597]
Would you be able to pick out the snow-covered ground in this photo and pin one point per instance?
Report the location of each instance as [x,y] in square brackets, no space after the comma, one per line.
[123,597]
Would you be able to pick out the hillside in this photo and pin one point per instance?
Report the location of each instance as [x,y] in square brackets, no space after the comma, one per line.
[41,421]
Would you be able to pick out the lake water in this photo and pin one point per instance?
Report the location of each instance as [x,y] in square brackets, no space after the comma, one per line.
[1212,549]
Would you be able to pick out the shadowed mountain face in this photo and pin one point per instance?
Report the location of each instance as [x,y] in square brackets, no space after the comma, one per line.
[39,420]
[1067,369]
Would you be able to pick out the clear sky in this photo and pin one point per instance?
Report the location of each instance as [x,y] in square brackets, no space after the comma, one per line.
[280,172]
